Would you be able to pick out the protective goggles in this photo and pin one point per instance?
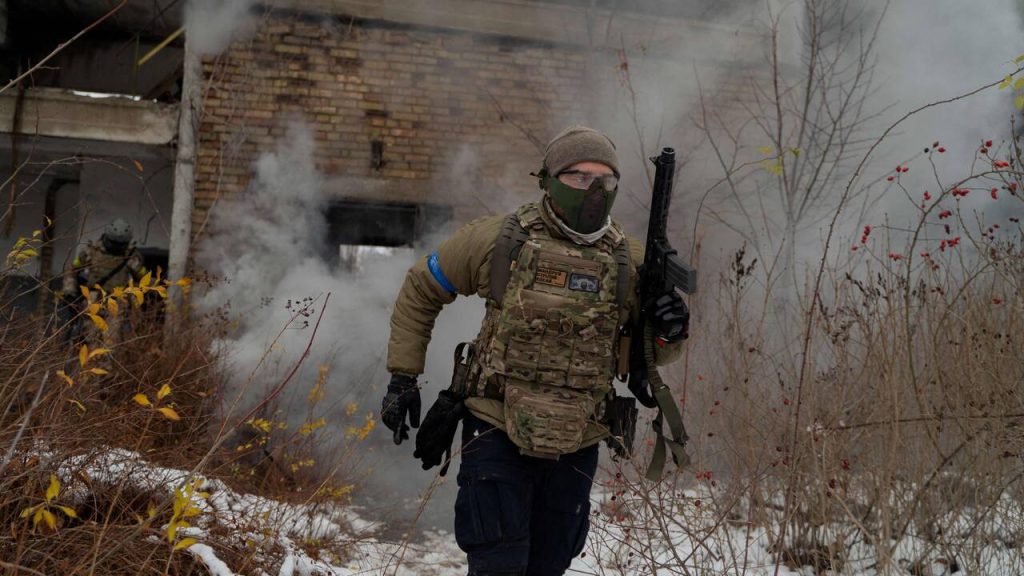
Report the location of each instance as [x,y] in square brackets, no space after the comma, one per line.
[584,180]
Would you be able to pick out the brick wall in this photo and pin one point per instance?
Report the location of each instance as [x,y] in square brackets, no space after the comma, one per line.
[431,96]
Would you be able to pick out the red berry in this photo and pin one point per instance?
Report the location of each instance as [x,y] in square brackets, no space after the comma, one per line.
[941,150]
[891,178]
[988,143]
[995,194]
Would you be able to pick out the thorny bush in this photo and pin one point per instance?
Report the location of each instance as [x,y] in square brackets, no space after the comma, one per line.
[905,449]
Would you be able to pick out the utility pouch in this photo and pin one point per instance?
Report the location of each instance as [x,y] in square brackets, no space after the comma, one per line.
[621,414]
[546,421]
[464,353]
[436,434]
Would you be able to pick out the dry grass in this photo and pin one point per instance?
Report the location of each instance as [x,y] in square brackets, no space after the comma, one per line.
[905,420]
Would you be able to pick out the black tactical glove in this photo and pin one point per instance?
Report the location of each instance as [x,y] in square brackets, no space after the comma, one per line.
[403,398]
[436,436]
[671,317]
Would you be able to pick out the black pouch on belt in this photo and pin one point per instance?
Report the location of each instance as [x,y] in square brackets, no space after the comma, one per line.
[437,431]
[621,415]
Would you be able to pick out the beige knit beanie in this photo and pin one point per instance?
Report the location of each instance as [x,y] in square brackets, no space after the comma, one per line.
[579,144]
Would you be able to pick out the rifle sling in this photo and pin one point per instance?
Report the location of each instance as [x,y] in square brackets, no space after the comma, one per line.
[668,412]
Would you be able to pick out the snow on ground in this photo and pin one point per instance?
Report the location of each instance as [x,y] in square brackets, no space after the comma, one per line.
[629,535]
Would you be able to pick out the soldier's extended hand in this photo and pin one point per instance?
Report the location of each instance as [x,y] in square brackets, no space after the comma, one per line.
[402,398]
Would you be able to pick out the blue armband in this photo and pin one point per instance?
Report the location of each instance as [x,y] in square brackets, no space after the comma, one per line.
[435,269]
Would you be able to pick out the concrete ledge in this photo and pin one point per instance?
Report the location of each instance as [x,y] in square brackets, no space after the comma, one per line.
[63,114]
[555,23]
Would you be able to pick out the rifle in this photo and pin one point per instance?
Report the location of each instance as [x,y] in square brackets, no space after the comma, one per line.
[661,272]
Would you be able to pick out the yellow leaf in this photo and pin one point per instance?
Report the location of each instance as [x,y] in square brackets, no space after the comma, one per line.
[112,306]
[37,517]
[1006,82]
[1019,102]
[146,280]
[28,511]
[184,282]
[172,531]
[98,352]
[795,152]
[98,371]
[169,413]
[37,233]
[137,294]
[78,405]
[100,323]
[65,377]
[1018,59]
[68,511]
[1019,83]
[142,400]
[163,392]
[51,520]
[260,424]
[53,489]
[185,543]
[93,308]
[766,150]
[138,166]
[118,292]
[151,510]
[83,355]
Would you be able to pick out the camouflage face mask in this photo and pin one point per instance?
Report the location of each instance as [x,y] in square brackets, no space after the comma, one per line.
[584,211]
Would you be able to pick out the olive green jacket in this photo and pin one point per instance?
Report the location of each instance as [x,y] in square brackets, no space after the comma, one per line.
[465,260]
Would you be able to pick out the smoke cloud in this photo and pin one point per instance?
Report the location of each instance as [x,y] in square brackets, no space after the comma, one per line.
[267,249]
[212,25]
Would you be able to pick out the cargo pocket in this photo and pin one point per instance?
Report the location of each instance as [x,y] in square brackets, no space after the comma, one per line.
[581,532]
[491,508]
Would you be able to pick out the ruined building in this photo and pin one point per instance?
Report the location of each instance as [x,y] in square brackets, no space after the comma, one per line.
[421,111]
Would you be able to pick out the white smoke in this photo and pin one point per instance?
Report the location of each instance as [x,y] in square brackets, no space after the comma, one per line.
[212,25]
[267,249]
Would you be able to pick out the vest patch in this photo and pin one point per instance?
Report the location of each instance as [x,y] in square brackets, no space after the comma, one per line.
[551,277]
[584,283]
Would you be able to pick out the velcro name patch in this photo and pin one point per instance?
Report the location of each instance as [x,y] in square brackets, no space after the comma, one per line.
[551,277]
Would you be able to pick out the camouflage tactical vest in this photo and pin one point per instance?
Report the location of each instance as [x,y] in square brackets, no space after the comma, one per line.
[549,348]
[102,264]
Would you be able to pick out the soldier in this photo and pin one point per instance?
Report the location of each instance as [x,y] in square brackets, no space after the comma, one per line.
[558,277]
[108,264]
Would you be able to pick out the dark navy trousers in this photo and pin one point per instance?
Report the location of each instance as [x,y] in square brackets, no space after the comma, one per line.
[517,515]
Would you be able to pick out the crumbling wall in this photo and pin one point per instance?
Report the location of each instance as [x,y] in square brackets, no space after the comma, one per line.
[459,116]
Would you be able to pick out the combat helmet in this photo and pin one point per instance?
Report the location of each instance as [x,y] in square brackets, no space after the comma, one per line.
[116,237]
